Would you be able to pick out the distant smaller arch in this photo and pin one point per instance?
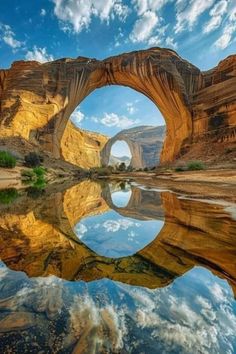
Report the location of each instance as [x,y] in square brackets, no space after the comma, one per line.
[145,144]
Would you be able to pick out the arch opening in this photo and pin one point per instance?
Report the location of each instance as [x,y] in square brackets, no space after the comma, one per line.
[120,155]
[110,117]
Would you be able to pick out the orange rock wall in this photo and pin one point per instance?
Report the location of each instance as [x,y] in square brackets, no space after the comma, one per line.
[36,100]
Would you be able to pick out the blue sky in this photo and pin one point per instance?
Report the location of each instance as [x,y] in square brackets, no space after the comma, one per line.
[201,31]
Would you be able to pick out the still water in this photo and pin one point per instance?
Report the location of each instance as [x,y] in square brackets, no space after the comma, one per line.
[116,268]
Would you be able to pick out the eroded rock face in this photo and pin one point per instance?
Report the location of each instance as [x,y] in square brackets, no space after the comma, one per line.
[81,147]
[145,144]
[38,99]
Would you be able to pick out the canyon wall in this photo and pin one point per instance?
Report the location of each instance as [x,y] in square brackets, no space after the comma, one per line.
[36,100]
[81,147]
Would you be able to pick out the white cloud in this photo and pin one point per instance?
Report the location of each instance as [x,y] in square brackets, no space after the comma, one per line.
[142,6]
[216,14]
[131,109]
[38,54]
[144,27]
[120,224]
[171,43]
[43,12]
[77,117]
[227,35]
[187,13]
[81,230]
[8,36]
[113,120]
[78,14]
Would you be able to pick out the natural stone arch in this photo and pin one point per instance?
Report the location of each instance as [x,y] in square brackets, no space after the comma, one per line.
[145,144]
[38,99]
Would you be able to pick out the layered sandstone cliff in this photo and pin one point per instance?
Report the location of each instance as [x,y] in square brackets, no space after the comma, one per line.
[81,147]
[36,100]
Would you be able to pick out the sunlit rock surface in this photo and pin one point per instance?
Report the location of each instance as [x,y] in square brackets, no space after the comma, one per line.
[198,107]
[145,144]
[81,147]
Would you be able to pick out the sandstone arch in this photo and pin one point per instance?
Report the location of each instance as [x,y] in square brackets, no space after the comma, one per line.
[145,144]
[38,99]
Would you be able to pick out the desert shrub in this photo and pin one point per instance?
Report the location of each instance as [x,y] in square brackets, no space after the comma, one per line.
[195,165]
[33,159]
[7,159]
[29,174]
[7,196]
[145,169]
[39,171]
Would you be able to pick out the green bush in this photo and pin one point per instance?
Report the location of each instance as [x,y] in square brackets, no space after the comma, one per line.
[7,159]
[195,165]
[39,171]
[8,196]
[33,160]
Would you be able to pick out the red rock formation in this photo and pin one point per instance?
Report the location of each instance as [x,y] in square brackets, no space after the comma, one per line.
[38,99]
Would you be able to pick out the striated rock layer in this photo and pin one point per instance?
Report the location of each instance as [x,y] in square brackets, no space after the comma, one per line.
[81,147]
[36,100]
[145,144]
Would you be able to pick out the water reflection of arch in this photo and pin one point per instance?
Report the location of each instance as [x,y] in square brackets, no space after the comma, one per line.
[45,244]
[142,205]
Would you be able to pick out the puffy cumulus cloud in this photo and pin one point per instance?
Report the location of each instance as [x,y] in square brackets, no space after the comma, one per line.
[8,36]
[38,54]
[188,12]
[77,117]
[77,14]
[216,14]
[120,224]
[114,120]
[144,27]
[228,33]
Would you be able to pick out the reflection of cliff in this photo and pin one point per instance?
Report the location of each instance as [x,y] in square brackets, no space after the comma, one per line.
[142,205]
[41,242]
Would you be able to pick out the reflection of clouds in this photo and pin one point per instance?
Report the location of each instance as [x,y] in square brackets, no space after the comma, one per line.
[99,326]
[120,224]
[195,314]
[80,230]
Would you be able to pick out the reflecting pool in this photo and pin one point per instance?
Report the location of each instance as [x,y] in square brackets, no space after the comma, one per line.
[116,268]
